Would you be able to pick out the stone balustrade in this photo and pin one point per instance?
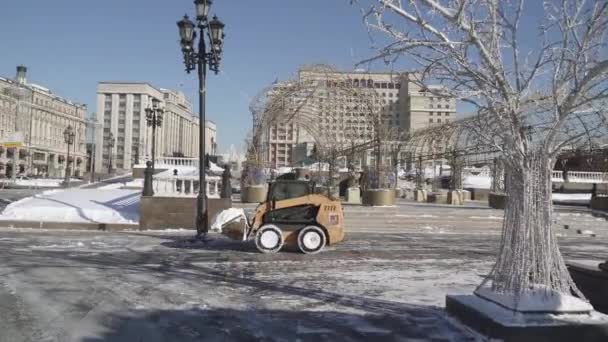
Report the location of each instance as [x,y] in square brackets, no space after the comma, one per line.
[184,186]
[176,161]
[580,177]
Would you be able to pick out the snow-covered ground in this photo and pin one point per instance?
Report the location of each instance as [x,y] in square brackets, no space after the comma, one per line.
[77,205]
[386,281]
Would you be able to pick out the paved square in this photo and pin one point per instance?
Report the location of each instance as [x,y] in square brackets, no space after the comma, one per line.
[387,281]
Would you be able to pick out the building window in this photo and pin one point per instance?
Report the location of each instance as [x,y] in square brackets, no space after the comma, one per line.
[431,120]
[438,120]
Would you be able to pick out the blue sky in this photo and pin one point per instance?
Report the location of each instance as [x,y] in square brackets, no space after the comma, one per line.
[70,45]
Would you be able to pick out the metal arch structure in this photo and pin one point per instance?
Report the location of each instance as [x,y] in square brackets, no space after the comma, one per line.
[446,140]
[302,100]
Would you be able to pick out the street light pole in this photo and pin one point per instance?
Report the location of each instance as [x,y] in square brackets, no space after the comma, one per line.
[68,136]
[154,118]
[110,147]
[201,198]
[213,31]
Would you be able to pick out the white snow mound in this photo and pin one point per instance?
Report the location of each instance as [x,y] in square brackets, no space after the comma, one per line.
[227,216]
[77,205]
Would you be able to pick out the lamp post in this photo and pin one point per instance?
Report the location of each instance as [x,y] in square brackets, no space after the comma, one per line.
[154,118]
[201,58]
[68,137]
[110,147]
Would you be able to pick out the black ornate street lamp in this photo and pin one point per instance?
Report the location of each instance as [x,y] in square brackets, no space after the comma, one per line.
[154,118]
[68,137]
[201,58]
[110,147]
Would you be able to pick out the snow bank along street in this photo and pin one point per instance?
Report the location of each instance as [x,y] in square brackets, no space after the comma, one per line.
[387,281]
[77,205]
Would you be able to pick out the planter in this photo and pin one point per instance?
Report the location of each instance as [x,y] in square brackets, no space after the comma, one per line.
[254,193]
[479,194]
[456,197]
[593,282]
[353,195]
[497,201]
[599,203]
[379,197]
[419,195]
[437,197]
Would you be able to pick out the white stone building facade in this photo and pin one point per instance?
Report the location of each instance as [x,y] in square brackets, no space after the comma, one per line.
[121,110]
[37,117]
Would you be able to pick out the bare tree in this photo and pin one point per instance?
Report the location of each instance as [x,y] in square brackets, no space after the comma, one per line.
[533,98]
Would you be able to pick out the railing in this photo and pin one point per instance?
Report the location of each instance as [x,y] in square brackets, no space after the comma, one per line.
[176,161]
[185,186]
[557,176]
[580,177]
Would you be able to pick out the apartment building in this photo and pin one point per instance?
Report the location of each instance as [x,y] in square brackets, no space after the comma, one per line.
[381,103]
[423,108]
[32,122]
[121,108]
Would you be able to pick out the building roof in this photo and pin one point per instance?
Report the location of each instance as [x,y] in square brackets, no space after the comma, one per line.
[43,90]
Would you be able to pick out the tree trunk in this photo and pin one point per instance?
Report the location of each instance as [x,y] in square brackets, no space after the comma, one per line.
[529,254]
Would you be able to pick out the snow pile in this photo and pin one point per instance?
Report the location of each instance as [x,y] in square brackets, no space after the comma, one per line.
[571,198]
[213,167]
[38,182]
[228,216]
[77,205]
[136,183]
[477,182]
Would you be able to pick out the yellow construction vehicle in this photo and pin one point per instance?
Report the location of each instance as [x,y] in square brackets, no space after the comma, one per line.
[294,216]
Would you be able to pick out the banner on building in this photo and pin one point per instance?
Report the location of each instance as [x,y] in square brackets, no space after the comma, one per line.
[14,140]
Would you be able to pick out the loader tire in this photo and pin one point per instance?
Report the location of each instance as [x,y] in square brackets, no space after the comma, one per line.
[269,239]
[311,239]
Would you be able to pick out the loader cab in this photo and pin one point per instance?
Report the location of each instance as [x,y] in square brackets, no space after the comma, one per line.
[298,214]
[286,189]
